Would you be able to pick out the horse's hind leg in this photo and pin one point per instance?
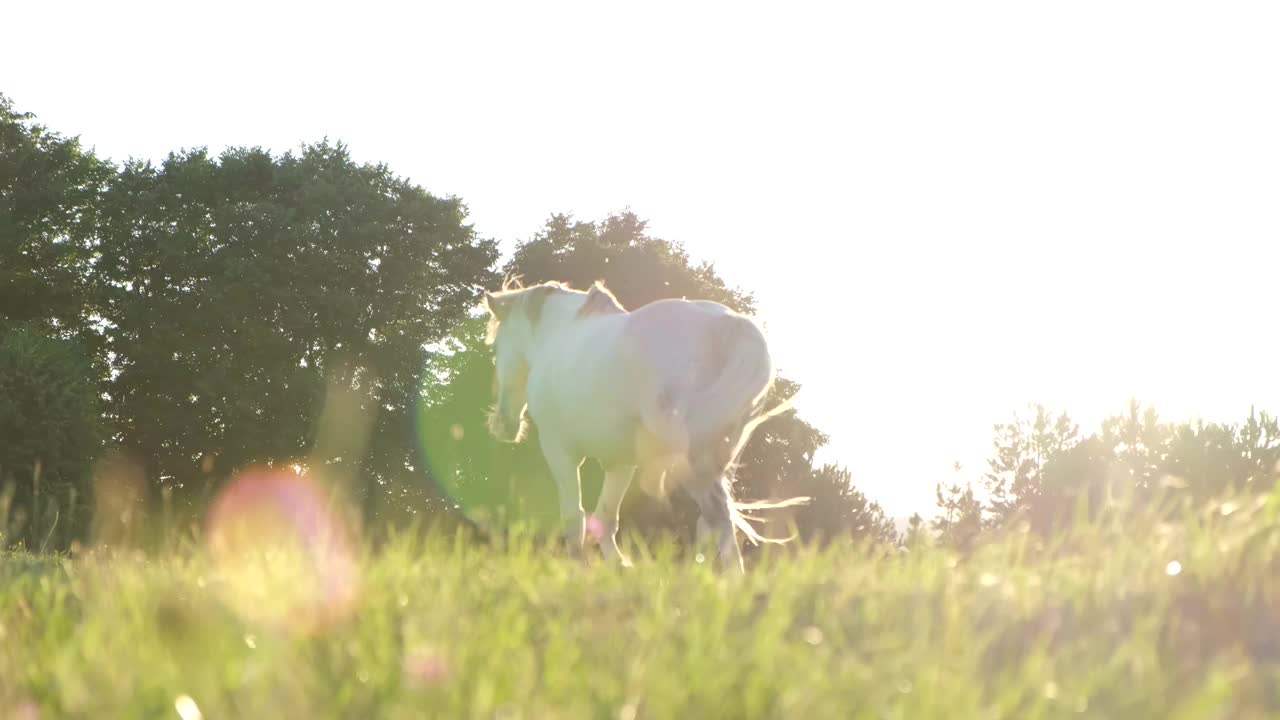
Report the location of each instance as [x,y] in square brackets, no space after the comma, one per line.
[703,536]
[713,504]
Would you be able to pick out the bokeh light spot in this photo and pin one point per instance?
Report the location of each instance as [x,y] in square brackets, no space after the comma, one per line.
[494,485]
[119,492]
[282,553]
[187,708]
[425,666]
[26,709]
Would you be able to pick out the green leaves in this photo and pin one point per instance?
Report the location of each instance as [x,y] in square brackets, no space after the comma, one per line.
[217,295]
[49,194]
[239,283]
[52,432]
[1043,471]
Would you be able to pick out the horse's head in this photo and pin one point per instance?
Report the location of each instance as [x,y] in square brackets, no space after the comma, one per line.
[514,314]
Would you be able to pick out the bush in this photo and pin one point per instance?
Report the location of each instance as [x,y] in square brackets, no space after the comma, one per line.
[51,430]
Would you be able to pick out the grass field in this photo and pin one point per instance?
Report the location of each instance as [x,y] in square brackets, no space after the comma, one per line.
[1156,621]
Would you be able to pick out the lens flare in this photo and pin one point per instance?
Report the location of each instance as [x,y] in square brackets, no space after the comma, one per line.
[25,710]
[187,708]
[425,666]
[119,497]
[493,484]
[283,555]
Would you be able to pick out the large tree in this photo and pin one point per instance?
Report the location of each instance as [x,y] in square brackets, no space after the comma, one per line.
[50,189]
[247,294]
[50,359]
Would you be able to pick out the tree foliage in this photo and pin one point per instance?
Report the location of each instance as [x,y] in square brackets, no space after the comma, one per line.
[1044,474]
[243,291]
[1022,448]
[839,510]
[50,190]
[958,523]
[51,431]
[50,423]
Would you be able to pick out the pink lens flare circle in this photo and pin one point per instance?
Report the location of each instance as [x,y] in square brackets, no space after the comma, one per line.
[595,529]
[282,552]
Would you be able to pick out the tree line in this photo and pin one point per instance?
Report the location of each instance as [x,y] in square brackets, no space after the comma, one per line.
[1044,476]
[165,325]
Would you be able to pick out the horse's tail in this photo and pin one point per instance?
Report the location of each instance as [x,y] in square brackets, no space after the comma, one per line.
[738,373]
[742,521]
[736,507]
[741,374]
[732,400]
[720,495]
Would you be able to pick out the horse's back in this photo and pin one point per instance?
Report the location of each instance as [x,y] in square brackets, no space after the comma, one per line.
[680,332]
[605,370]
[673,325]
[664,339]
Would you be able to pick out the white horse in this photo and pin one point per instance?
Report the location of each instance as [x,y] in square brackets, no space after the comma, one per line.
[674,388]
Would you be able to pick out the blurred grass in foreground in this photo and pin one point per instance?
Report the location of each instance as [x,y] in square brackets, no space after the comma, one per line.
[1152,620]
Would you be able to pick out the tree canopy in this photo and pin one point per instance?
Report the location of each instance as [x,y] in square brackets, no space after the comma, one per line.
[50,190]
[224,303]
[237,289]
[1043,473]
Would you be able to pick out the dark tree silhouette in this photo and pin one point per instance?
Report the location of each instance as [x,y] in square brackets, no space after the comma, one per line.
[52,432]
[50,190]
[51,428]
[840,511]
[244,291]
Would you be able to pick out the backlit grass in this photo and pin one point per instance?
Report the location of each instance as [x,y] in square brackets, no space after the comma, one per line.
[1153,621]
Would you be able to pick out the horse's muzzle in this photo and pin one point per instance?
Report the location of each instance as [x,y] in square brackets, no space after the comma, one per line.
[506,428]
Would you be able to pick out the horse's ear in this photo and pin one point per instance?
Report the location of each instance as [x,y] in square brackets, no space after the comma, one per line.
[498,305]
[599,301]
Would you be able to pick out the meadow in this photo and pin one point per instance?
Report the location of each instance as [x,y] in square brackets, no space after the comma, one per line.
[1140,619]
[247,240]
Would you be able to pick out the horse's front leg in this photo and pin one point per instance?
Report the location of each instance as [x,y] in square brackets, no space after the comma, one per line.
[616,482]
[564,467]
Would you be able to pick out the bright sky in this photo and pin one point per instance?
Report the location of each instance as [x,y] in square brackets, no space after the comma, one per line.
[947,210]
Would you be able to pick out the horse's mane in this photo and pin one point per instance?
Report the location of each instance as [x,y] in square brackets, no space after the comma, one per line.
[599,301]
